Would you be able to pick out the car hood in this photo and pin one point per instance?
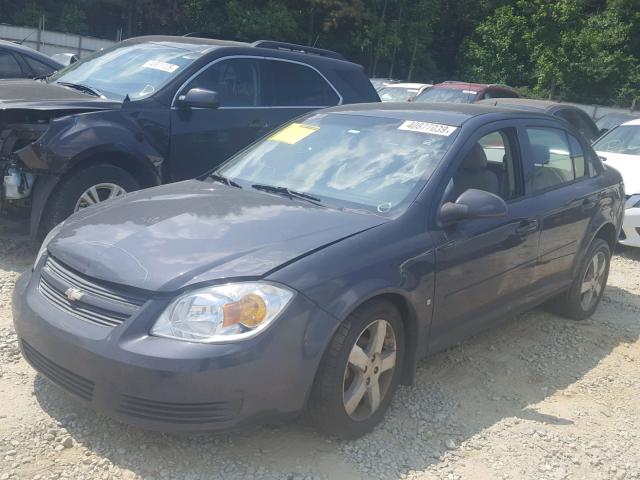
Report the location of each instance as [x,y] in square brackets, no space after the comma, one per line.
[168,237]
[629,168]
[39,95]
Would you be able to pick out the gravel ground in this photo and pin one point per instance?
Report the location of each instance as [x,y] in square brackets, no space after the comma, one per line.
[538,398]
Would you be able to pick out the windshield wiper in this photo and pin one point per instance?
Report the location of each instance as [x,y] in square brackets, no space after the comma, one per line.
[288,192]
[43,77]
[222,179]
[82,88]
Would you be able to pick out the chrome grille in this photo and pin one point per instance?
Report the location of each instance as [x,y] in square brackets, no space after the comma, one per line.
[98,304]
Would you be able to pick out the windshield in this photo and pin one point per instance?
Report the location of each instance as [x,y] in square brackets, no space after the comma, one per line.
[346,160]
[137,70]
[611,120]
[396,94]
[449,95]
[623,139]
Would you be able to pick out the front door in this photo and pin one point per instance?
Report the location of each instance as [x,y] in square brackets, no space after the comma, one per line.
[202,138]
[484,266]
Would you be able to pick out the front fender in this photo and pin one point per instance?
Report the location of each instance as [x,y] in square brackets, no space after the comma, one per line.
[73,138]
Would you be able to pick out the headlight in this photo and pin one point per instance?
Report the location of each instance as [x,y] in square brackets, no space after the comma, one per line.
[47,240]
[222,313]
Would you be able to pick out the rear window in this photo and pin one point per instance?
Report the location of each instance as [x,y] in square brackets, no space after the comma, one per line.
[449,95]
[624,139]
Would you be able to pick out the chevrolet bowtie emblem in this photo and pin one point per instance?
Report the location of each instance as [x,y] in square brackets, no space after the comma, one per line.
[74,294]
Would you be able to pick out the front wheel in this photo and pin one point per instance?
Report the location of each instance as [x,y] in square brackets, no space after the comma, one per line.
[85,188]
[583,297]
[360,372]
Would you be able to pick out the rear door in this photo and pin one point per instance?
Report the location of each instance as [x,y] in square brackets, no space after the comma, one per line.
[485,266]
[294,88]
[202,138]
[564,191]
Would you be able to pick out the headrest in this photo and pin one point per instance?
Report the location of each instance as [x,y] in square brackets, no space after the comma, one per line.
[476,158]
[541,155]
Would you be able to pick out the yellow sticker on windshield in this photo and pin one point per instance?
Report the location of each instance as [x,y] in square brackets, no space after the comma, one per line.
[293,133]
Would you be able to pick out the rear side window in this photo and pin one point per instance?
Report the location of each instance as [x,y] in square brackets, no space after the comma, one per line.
[9,66]
[37,66]
[296,85]
[552,162]
[236,81]
[579,160]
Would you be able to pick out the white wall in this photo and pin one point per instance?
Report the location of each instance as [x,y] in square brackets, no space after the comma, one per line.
[53,42]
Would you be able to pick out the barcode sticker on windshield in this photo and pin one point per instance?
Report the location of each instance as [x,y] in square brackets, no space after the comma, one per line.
[158,65]
[424,127]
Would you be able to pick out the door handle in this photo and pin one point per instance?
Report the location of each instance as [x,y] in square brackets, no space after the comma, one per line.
[255,123]
[527,226]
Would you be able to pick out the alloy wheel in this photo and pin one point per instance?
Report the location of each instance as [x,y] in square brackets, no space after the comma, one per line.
[97,194]
[593,281]
[369,370]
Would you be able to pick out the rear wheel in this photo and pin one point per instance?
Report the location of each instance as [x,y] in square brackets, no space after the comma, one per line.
[85,188]
[583,297]
[360,372]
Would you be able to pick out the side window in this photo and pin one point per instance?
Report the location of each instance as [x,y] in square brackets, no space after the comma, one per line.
[552,162]
[37,66]
[235,80]
[491,165]
[577,154]
[9,66]
[295,85]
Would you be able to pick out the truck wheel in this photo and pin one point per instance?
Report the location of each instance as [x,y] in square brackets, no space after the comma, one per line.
[360,372]
[85,188]
[583,297]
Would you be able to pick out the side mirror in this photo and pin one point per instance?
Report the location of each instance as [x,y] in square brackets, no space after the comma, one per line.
[472,204]
[199,98]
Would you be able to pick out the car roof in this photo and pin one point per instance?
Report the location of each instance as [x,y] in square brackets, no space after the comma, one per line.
[635,121]
[16,47]
[529,103]
[454,114]
[408,85]
[455,85]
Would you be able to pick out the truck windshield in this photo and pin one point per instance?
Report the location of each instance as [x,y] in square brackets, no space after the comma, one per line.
[363,162]
[137,70]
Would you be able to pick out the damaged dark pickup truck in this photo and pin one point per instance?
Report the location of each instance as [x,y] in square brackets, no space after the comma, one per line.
[147,111]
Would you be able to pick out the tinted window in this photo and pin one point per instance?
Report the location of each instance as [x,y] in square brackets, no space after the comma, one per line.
[9,66]
[552,162]
[37,66]
[499,93]
[235,80]
[295,85]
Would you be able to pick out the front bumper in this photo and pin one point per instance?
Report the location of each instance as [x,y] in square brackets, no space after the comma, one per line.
[169,385]
[630,235]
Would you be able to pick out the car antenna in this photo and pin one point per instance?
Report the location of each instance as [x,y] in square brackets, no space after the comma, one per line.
[26,38]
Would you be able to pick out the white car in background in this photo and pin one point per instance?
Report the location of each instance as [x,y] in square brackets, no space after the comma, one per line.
[402,92]
[620,149]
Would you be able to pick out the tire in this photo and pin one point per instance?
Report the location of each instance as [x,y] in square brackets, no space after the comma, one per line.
[65,198]
[337,378]
[572,303]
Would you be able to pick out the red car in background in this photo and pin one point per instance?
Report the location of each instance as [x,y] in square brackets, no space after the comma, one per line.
[465,92]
